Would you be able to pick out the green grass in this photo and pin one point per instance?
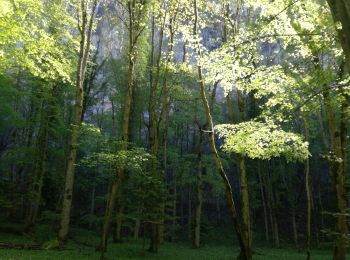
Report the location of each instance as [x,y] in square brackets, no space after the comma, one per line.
[167,251]
[134,250]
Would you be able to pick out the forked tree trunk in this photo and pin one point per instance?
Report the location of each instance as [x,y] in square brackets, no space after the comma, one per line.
[85,43]
[119,175]
[134,34]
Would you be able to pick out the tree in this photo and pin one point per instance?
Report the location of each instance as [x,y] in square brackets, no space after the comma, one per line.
[243,241]
[136,12]
[85,29]
[340,10]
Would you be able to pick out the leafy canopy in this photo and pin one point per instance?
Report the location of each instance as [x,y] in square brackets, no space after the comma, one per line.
[263,141]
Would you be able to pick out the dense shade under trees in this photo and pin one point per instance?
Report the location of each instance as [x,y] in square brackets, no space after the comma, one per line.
[174,123]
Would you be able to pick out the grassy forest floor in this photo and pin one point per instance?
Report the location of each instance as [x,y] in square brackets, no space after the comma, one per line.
[83,247]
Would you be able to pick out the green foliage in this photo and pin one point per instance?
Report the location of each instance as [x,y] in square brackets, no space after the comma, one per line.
[134,159]
[37,36]
[263,141]
[150,194]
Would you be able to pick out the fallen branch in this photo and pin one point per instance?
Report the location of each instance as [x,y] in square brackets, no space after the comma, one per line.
[20,246]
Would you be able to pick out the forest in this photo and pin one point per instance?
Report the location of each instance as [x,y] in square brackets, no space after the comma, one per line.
[174,129]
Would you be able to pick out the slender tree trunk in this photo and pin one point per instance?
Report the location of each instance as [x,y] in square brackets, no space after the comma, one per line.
[119,176]
[308,199]
[173,235]
[119,220]
[38,170]
[263,199]
[295,229]
[273,209]
[243,241]
[244,199]
[108,213]
[189,216]
[92,207]
[267,182]
[308,196]
[137,228]
[199,199]
[85,43]
[218,209]
[153,119]
[338,145]
[340,10]
[277,237]
[244,180]
[120,172]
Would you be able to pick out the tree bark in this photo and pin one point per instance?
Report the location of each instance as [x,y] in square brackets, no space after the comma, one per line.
[199,199]
[85,43]
[92,207]
[243,241]
[263,199]
[134,33]
[119,219]
[295,229]
[338,145]
[308,197]
[153,119]
[38,168]
[340,10]
[173,234]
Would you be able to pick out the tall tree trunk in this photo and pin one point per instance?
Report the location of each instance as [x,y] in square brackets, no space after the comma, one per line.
[338,144]
[295,228]
[273,212]
[246,220]
[137,228]
[308,196]
[173,234]
[92,207]
[189,216]
[199,199]
[85,43]
[119,219]
[244,200]
[119,175]
[340,10]
[134,33]
[243,241]
[263,199]
[38,168]
[38,160]
[153,119]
